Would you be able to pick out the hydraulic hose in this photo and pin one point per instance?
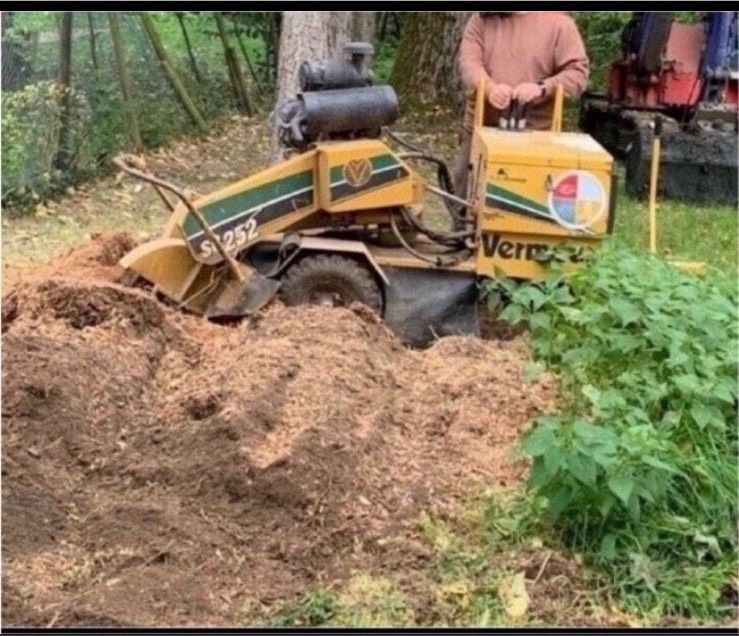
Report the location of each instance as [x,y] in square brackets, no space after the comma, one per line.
[437,259]
[445,238]
[443,175]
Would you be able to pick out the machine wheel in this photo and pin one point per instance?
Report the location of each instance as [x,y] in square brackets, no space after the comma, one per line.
[330,280]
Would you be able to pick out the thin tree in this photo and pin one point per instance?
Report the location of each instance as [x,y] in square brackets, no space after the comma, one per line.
[247,59]
[382,25]
[272,30]
[384,29]
[63,156]
[168,66]
[124,80]
[232,65]
[93,46]
[188,47]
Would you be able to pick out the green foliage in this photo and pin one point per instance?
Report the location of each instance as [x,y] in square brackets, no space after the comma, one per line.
[365,602]
[315,608]
[372,602]
[30,136]
[384,60]
[601,32]
[482,549]
[30,114]
[454,556]
[640,468]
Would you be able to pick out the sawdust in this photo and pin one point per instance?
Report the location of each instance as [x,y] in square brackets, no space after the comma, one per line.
[96,260]
[165,470]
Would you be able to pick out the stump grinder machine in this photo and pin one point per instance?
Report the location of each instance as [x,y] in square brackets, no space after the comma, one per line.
[342,218]
[687,74]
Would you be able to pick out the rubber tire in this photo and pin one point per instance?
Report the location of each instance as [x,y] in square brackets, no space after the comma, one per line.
[331,273]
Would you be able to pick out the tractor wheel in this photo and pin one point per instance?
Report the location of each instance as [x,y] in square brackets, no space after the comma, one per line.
[330,280]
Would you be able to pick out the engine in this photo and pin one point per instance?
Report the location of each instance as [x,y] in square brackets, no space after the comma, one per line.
[338,100]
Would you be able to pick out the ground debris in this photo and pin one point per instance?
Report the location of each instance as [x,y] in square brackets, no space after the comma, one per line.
[155,458]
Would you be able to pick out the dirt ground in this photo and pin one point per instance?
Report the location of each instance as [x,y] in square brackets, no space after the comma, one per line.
[161,470]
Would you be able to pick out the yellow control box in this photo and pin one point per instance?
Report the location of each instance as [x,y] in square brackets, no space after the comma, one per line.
[531,189]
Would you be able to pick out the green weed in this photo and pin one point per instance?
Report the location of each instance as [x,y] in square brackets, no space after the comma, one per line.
[497,543]
[365,601]
[372,602]
[317,607]
[639,470]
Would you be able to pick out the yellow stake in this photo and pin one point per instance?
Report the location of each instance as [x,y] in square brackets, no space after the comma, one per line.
[688,266]
[653,181]
[559,97]
[480,99]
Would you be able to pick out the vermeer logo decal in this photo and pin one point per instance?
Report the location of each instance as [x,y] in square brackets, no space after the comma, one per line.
[495,245]
[357,172]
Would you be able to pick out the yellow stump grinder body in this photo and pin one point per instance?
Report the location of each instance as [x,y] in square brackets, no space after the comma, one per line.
[342,219]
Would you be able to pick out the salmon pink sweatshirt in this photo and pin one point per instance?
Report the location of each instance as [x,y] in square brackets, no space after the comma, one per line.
[526,46]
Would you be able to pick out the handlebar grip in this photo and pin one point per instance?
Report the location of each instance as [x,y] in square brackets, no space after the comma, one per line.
[508,119]
[524,111]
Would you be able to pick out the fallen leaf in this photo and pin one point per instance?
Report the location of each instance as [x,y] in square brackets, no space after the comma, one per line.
[514,596]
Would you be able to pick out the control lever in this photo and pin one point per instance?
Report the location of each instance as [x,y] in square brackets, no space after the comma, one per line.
[514,117]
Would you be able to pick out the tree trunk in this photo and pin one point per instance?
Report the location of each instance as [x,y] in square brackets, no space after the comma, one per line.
[63,156]
[124,79]
[426,70]
[306,35]
[397,24]
[190,54]
[382,25]
[363,26]
[232,65]
[93,47]
[271,35]
[171,74]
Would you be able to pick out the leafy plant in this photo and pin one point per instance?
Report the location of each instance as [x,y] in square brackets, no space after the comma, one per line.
[317,607]
[30,136]
[640,468]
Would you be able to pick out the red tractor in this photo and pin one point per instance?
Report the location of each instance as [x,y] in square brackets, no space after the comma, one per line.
[686,73]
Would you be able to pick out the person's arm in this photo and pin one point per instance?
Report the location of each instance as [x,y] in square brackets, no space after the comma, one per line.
[571,63]
[472,66]
[471,53]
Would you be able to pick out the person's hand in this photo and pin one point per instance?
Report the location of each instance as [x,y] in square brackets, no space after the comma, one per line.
[499,95]
[528,92]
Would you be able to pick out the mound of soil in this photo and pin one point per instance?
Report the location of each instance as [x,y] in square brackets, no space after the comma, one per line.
[162,470]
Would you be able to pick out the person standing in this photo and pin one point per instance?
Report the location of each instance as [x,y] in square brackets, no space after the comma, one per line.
[522,56]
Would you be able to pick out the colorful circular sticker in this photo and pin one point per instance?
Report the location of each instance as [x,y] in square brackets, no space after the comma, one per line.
[577,200]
